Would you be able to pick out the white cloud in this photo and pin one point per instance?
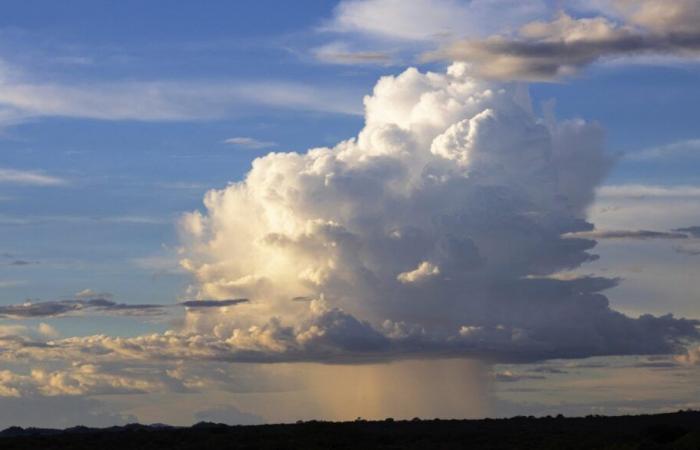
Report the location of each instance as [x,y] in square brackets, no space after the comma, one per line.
[638,191]
[342,53]
[424,271]
[393,32]
[28,177]
[422,20]
[249,142]
[677,150]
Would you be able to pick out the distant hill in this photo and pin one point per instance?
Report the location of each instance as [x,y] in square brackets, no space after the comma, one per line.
[679,430]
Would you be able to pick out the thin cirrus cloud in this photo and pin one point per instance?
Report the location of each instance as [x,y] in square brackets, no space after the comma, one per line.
[165,100]
[249,142]
[29,178]
[424,20]
[638,191]
[342,53]
[631,234]
[685,149]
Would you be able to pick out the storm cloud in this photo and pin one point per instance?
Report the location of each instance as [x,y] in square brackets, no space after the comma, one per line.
[440,228]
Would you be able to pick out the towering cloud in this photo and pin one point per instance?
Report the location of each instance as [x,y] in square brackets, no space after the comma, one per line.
[439,228]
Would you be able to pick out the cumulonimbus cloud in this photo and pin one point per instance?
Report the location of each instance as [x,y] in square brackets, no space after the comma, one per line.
[547,50]
[437,229]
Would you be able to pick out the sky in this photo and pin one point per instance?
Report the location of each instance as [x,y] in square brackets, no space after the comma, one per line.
[250,212]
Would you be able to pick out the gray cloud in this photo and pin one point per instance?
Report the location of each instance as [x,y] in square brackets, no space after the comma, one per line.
[213,303]
[544,51]
[102,305]
[693,231]
[631,234]
[333,335]
[21,262]
[64,307]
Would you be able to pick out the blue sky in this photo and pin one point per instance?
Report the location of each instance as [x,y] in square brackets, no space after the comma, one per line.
[115,118]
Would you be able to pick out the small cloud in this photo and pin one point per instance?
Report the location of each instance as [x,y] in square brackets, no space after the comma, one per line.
[73,60]
[423,272]
[509,377]
[21,262]
[89,294]
[213,303]
[340,53]
[249,142]
[47,330]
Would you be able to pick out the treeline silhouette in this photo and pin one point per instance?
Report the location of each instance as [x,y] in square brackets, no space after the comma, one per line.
[679,430]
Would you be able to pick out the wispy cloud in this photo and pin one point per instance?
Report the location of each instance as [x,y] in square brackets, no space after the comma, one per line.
[647,190]
[428,20]
[682,149]
[90,303]
[119,220]
[29,177]
[249,142]
[342,53]
[629,234]
[160,100]
[385,32]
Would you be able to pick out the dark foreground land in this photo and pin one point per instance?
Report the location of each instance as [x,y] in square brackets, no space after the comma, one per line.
[663,431]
